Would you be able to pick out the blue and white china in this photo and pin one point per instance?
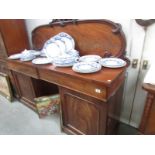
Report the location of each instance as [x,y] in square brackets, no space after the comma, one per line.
[73,53]
[15,56]
[86,67]
[39,61]
[90,58]
[64,60]
[63,65]
[60,48]
[27,55]
[112,62]
[58,40]
[51,49]
[34,52]
[68,40]
[43,53]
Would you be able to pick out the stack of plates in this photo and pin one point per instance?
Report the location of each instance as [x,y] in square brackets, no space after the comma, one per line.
[64,60]
[59,45]
[60,49]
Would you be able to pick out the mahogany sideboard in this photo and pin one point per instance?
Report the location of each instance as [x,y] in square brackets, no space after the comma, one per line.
[90,103]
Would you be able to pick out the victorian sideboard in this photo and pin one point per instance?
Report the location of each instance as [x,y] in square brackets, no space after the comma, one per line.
[90,103]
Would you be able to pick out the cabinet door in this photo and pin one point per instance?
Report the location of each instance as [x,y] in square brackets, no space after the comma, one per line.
[25,89]
[81,115]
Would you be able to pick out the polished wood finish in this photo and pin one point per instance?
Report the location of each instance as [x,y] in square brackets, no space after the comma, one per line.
[82,115]
[91,36]
[90,103]
[13,39]
[147,125]
[14,35]
[29,88]
[26,89]
[28,70]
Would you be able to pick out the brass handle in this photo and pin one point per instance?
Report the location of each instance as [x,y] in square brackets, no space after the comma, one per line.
[145,64]
[134,63]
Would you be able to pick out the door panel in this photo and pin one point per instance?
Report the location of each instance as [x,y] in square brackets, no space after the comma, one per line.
[140,95]
[135,47]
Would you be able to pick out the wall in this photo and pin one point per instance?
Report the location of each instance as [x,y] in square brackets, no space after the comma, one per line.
[33,23]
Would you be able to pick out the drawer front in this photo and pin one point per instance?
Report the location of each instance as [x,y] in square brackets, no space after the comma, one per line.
[23,68]
[90,88]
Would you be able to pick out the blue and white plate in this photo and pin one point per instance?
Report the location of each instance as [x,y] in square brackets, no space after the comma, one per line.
[40,61]
[64,64]
[86,67]
[65,60]
[35,52]
[51,49]
[68,40]
[90,58]
[59,41]
[73,53]
[112,62]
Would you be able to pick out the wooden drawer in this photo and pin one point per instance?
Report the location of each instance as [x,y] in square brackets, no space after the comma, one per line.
[86,87]
[26,69]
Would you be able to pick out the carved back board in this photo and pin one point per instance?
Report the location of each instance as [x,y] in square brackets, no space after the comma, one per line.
[91,36]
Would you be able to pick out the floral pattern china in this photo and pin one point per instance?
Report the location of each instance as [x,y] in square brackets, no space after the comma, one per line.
[112,62]
[86,67]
